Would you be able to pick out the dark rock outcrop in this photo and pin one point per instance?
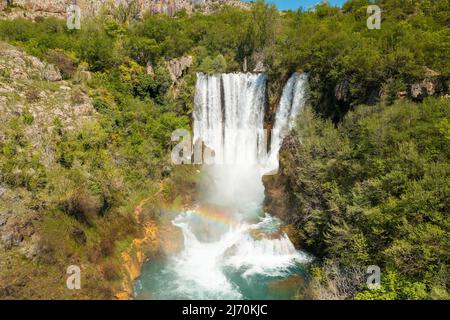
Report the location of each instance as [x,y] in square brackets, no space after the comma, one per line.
[432,84]
[342,91]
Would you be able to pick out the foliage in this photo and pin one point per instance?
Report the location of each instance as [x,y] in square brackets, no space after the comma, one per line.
[374,191]
[210,65]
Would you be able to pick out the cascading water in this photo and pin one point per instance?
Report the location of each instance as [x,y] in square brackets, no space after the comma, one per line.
[292,100]
[231,249]
[229,119]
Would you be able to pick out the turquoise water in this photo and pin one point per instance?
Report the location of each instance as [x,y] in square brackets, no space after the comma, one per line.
[237,265]
[157,282]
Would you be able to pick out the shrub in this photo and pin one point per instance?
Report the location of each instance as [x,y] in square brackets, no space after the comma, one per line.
[111,271]
[82,205]
[107,245]
[209,65]
[27,117]
[33,95]
[65,64]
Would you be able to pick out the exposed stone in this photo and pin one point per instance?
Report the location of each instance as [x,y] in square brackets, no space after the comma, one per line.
[342,90]
[11,238]
[19,66]
[51,73]
[431,73]
[85,76]
[7,291]
[138,252]
[430,85]
[3,218]
[178,66]
[82,74]
[416,90]
[58,8]
[31,85]
[149,69]
[14,229]
[35,249]
[2,188]
[260,66]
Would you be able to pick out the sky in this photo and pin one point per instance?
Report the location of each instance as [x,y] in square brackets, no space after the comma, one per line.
[295,4]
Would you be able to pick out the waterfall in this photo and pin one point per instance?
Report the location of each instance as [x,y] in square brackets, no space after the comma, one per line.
[229,243]
[229,117]
[292,101]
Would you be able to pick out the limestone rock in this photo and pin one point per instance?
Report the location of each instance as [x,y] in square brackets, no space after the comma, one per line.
[260,66]
[51,73]
[342,90]
[149,69]
[19,66]
[58,8]
[30,85]
[14,229]
[4,218]
[429,86]
[178,66]
[2,188]
[37,250]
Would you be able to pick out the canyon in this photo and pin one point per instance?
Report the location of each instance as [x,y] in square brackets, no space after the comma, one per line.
[138,8]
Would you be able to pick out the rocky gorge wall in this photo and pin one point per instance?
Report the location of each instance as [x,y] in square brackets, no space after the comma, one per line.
[58,8]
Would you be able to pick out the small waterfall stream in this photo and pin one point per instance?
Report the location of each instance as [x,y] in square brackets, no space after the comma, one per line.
[232,249]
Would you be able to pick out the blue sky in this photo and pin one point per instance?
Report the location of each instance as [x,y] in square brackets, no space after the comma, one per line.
[295,4]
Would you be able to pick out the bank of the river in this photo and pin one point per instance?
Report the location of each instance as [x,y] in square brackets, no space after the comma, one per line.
[277,202]
[158,236]
[138,252]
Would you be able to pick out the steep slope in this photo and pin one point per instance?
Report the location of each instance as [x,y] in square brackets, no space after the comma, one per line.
[58,8]
[34,102]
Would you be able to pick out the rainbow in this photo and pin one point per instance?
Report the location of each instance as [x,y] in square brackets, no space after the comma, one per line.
[218,215]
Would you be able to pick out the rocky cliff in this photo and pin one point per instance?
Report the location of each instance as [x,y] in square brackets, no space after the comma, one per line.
[43,8]
[34,103]
[35,89]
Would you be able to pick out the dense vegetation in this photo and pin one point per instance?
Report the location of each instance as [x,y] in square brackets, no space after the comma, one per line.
[334,44]
[372,190]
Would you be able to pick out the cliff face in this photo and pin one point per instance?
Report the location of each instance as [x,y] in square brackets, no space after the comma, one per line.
[33,8]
